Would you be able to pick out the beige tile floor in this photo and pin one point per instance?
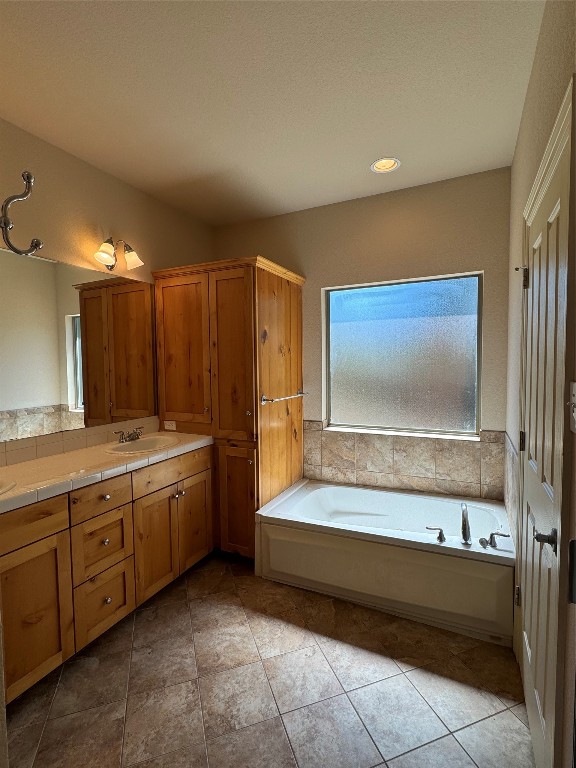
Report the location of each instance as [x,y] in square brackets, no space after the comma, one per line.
[225,670]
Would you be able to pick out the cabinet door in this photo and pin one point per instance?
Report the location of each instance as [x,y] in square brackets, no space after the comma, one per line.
[232,353]
[237,486]
[183,347]
[194,518]
[155,542]
[130,352]
[36,604]
[95,367]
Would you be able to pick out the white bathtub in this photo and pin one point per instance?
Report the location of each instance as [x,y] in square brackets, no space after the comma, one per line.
[372,546]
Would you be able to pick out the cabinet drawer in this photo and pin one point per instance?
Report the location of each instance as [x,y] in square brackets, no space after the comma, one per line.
[93,500]
[103,600]
[32,523]
[157,476]
[101,542]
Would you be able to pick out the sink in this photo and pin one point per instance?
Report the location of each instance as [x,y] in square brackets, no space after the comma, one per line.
[5,487]
[143,445]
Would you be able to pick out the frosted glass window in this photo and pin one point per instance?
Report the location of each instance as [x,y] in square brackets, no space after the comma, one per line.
[405,356]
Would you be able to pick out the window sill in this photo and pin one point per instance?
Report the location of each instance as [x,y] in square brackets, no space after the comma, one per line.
[435,435]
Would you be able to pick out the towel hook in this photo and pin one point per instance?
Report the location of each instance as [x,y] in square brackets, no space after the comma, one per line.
[6,223]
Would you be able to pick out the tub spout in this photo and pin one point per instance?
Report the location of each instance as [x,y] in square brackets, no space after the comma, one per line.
[466,537]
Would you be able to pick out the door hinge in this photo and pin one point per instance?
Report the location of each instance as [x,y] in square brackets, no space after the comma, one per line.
[517,595]
[525,276]
[522,446]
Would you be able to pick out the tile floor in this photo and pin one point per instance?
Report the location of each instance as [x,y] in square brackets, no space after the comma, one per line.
[225,670]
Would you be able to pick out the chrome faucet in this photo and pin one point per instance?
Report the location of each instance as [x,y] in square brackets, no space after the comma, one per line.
[466,537]
[129,437]
[491,541]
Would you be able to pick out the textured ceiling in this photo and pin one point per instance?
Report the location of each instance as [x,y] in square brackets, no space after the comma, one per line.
[236,110]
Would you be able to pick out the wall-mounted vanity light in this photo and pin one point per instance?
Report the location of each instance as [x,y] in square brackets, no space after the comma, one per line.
[106,255]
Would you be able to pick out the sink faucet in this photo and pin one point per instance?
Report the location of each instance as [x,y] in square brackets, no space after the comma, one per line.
[129,437]
[466,537]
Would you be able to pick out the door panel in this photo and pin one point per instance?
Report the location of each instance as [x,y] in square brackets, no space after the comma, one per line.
[130,351]
[232,353]
[36,603]
[155,542]
[237,484]
[183,348]
[194,518]
[95,369]
[544,414]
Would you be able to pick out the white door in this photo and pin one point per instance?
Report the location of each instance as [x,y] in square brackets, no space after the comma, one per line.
[544,414]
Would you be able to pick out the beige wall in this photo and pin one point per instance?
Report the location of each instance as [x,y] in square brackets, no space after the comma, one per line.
[459,225]
[74,207]
[551,72]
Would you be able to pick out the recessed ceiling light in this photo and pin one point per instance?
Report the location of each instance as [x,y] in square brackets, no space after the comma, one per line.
[385,165]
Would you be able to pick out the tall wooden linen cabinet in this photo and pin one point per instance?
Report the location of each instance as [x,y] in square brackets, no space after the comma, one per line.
[229,340]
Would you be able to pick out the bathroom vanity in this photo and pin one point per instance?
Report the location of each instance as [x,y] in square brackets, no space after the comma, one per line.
[74,563]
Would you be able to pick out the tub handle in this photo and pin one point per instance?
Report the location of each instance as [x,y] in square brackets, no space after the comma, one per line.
[440,538]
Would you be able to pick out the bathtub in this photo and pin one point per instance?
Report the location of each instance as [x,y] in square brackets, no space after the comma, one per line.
[372,546]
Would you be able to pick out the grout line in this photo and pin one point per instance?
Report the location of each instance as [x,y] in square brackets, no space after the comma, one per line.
[46,718]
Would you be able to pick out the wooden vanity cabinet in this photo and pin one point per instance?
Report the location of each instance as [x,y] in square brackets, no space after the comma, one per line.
[254,341]
[36,593]
[172,525]
[116,321]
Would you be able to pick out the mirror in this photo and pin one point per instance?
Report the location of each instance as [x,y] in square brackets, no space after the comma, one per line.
[75,348]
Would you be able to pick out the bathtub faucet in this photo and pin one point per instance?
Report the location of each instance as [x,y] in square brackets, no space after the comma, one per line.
[466,537]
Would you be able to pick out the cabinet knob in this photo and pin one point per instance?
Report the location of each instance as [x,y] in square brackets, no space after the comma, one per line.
[107,600]
[105,542]
[176,496]
[182,493]
[206,409]
[250,461]
[248,413]
[106,497]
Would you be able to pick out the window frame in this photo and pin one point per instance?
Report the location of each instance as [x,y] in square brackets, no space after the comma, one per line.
[329,424]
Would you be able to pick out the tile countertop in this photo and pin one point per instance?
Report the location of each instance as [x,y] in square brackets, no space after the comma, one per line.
[41,479]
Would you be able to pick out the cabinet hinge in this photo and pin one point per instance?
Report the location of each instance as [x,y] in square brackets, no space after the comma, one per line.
[525,276]
[517,595]
[522,446]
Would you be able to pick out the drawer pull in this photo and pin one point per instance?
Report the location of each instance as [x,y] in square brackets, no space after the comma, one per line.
[106,497]
[105,542]
[107,600]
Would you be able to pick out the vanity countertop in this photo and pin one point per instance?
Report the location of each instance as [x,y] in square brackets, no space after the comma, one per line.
[42,479]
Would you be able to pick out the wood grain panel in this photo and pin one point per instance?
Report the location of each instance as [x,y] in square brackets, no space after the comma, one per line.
[95,499]
[194,519]
[131,354]
[95,367]
[156,476]
[237,497]
[32,523]
[103,601]
[155,542]
[101,542]
[36,604]
[232,353]
[183,349]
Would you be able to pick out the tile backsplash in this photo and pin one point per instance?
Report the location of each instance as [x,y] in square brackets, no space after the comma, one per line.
[42,420]
[29,448]
[473,468]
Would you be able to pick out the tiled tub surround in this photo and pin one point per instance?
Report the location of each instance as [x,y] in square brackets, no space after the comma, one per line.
[42,420]
[468,468]
[42,446]
[223,669]
[43,478]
